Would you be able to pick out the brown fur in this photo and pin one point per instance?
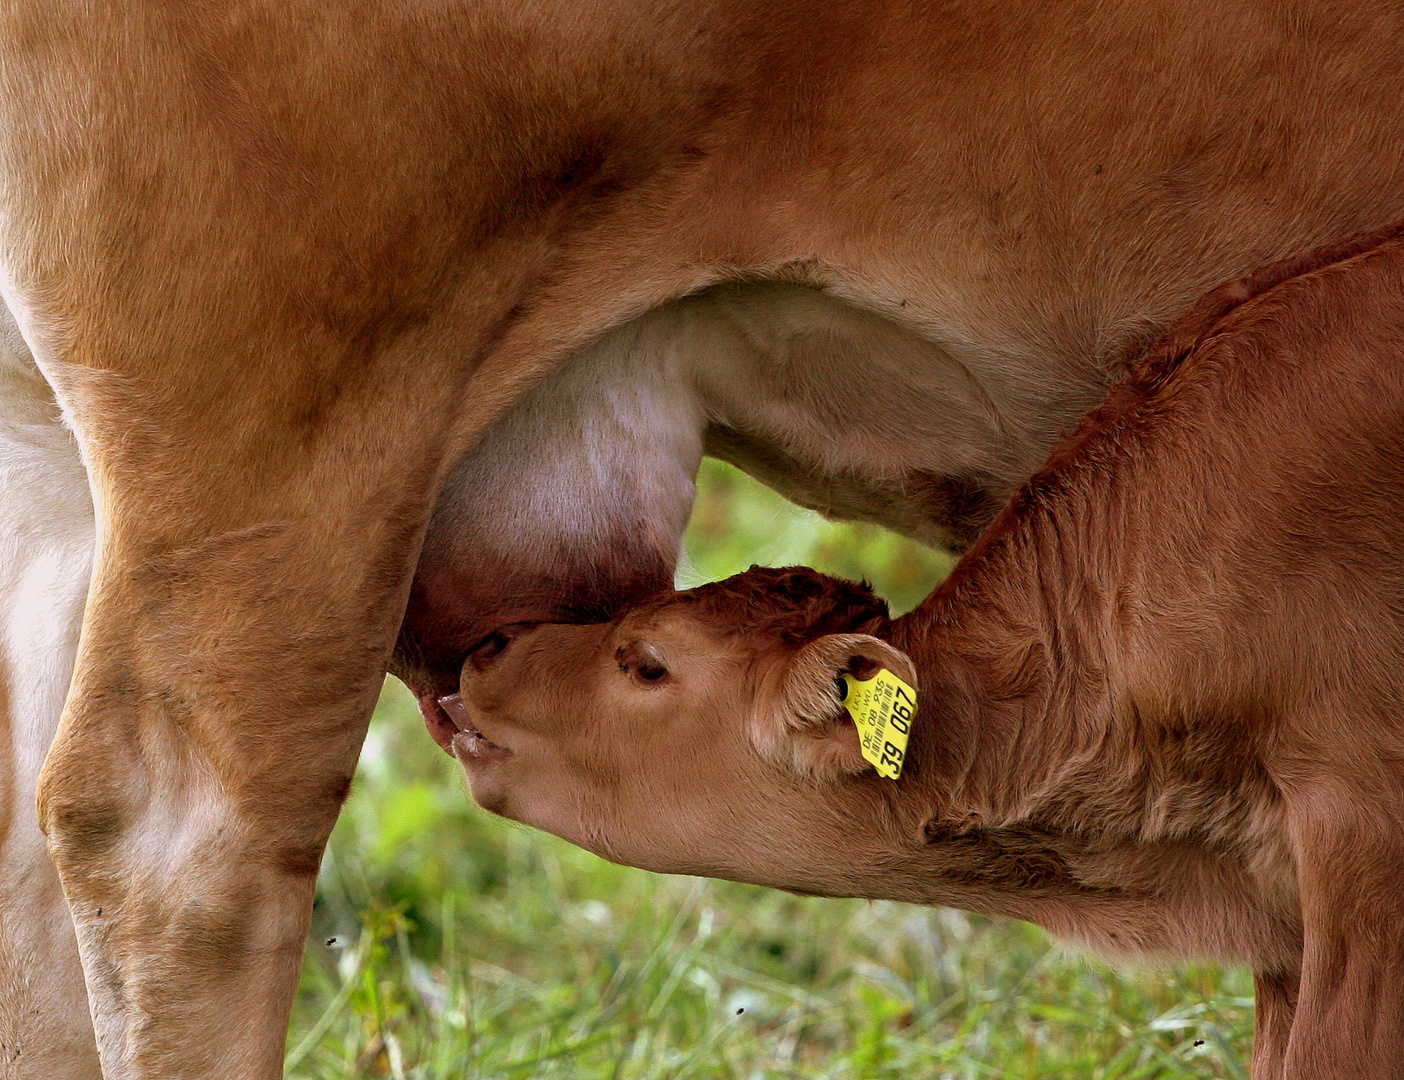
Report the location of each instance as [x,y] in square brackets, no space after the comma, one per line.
[1160,704]
[283,263]
[789,605]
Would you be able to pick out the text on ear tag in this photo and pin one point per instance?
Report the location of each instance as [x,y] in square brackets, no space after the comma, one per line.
[882,708]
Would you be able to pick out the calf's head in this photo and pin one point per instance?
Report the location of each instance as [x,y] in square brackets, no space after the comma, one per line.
[698,733]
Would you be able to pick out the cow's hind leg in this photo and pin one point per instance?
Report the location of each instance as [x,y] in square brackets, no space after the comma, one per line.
[243,605]
[46,545]
[258,521]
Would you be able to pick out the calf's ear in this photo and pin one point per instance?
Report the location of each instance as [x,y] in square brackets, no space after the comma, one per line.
[803,725]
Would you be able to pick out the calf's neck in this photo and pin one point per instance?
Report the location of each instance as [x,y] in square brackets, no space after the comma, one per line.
[1159,698]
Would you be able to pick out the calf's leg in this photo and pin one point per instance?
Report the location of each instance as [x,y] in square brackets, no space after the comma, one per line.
[1349,1021]
[1275,1003]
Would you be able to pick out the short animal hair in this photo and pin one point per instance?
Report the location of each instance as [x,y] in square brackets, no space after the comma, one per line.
[788,604]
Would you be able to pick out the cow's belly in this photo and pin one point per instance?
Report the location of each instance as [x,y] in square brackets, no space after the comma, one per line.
[864,418]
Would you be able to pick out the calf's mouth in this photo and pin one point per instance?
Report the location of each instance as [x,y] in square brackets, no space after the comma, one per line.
[432,689]
[467,740]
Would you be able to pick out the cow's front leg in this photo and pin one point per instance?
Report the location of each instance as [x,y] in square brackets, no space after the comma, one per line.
[246,594]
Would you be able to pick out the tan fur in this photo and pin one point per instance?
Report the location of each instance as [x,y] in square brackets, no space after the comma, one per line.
[283,263]
[1160,705]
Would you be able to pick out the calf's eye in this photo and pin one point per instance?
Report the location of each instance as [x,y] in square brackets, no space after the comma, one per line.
[640,661]
[651,671]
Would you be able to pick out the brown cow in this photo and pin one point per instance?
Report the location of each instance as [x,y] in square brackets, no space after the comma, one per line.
[283,262]
[1160,699]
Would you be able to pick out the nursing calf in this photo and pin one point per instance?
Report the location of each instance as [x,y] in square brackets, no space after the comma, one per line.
[1160,698]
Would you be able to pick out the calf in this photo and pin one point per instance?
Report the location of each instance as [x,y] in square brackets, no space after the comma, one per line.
[1159,697]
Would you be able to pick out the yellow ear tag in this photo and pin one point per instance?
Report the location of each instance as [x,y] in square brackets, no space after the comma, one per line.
[882,709]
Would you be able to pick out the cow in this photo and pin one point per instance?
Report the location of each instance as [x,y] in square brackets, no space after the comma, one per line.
[1159,700]
[282,265]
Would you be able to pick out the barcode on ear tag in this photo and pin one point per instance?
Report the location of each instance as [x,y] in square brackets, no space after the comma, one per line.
[882,708]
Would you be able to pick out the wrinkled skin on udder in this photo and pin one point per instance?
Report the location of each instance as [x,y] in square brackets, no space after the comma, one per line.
[571,507]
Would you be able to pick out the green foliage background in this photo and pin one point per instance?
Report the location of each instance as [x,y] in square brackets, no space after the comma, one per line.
[447,943]
[737,522]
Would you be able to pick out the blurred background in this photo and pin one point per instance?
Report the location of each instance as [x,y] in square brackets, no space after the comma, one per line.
[451,944]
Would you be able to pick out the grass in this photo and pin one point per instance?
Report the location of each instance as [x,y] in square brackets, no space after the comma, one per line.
[449,944]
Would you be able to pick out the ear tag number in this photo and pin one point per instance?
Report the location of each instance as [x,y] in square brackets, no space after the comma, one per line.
[882,708]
